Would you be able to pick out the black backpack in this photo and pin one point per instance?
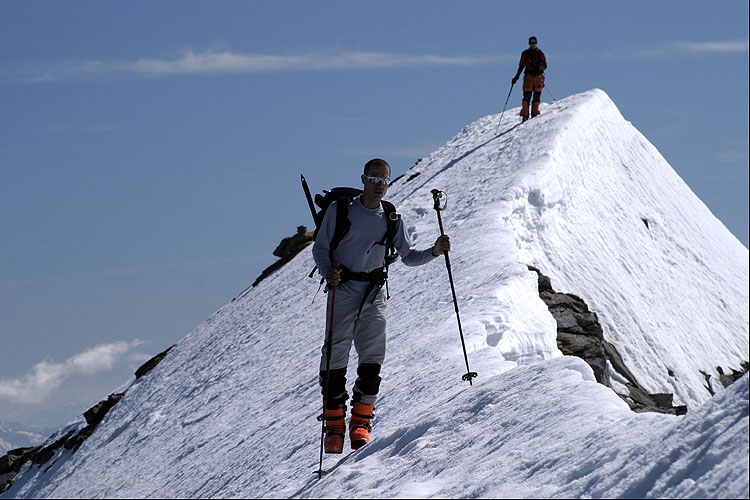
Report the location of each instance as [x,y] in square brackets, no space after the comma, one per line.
[537,63]
[344,196]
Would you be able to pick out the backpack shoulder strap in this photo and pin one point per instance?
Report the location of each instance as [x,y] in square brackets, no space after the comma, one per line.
[391,220]
[342,224]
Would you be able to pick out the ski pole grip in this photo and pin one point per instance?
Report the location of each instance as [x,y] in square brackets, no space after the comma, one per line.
[436,194]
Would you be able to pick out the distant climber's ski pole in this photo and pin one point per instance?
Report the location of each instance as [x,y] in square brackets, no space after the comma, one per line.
[329,351]
[436,195]
[506,104]
[553,97]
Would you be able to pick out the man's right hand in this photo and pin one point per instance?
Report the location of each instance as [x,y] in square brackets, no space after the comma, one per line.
[333,276]
[514,80]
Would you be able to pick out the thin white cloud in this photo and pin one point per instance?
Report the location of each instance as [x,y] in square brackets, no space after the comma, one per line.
[691,48]
[713,47]
[732,156]
[41,381]
[212,62]
[228,62]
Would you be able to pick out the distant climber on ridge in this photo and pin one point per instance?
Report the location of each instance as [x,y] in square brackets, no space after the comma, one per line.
[534,63]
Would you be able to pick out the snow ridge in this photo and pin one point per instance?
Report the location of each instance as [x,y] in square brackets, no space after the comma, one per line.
[230,412]
[663,291]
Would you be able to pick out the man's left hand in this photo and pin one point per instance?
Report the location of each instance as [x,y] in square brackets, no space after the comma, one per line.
[442,245]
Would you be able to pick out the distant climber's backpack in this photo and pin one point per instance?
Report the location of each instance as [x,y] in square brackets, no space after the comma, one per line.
[536,63]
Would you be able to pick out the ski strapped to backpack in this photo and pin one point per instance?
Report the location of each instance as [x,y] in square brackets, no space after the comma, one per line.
[344,197]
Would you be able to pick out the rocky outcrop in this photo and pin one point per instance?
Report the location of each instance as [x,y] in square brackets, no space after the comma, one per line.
[93,416]
[726,379]
[151,363]
[411,177]
[287,249]
[11,463]
[580,334]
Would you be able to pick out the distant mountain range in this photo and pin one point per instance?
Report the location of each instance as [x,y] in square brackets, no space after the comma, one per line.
[15,435]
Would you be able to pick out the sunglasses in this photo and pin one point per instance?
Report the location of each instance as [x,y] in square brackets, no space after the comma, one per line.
[378,180]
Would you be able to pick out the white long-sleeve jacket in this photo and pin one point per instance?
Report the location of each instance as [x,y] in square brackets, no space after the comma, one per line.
[359,250]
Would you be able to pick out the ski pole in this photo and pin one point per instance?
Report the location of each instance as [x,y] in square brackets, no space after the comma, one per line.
[553,97]
[329,351]
[506,104]
[436,195]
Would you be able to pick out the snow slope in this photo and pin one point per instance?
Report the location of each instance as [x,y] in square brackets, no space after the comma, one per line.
[231,410]
[663,291]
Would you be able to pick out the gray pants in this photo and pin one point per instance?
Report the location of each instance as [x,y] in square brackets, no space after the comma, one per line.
[368,334]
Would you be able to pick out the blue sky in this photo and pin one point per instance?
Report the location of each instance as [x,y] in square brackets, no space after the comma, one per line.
[150,152]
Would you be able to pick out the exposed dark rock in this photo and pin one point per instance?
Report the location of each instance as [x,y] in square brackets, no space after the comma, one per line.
[287,249]
[75,442]
[578,330]
[6,479]
[44,454]
[412,176]
[11,463]
[93,416]
[7,462]
[617,363]
[393,181]
[292,245]
[663,400]
[15,458]
[728,379]
[151,363]
[587,348]
[641,401]
[708,382]
[96,413]
[645,222]
[725,379]
[580,334]
[640,397]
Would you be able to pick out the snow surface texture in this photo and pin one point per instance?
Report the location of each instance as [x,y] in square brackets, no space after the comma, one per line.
[231,410]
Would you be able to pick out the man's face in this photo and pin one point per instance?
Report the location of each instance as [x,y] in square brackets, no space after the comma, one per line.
[376,190]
